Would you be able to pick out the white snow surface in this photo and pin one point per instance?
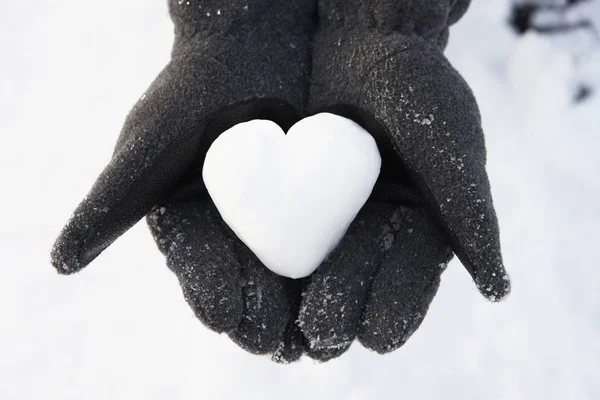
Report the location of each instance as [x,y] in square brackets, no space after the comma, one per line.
[291,197]
[121,329]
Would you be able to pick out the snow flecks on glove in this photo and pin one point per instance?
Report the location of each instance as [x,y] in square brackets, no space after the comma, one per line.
[376,285]
[414,103]
[203,259]
[266,306]
[405,284]
[226,286]
[335,295]
[193,99]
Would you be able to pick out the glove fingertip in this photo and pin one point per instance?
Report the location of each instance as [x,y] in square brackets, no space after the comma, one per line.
[220,311]
[64,255]
[63,265]
[78,245]
[494,286]
[327,353]
[290,348]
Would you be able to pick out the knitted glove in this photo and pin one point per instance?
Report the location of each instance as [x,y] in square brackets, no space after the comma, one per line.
[232,61]
[381,64]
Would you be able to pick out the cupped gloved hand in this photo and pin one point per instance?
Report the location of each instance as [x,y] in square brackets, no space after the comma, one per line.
[232,61]
[381,64]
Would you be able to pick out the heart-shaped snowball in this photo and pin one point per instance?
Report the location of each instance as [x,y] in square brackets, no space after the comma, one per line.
[290,198]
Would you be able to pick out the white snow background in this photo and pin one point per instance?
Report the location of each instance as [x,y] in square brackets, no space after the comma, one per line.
[69,72]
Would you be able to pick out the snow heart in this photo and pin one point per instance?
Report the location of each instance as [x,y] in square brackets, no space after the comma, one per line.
[291,197]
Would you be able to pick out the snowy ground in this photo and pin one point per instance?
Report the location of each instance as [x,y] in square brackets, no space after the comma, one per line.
[69,72]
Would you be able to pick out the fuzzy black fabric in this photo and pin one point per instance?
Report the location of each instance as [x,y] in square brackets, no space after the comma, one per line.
[381,64]
[378,283]
[232,61]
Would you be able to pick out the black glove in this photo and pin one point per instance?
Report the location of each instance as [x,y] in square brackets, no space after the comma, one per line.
[381,64]
[232,61]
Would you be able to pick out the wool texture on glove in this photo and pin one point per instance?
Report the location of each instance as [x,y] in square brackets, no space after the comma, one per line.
[382,65]
[232,61]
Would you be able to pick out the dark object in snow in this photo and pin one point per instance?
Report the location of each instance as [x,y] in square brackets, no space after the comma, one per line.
[548,16]
[583,93]
[572,23]
[379,63]
[520,17]
[232,61]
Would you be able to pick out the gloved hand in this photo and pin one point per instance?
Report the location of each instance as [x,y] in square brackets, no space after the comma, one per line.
[381,64]
[232,61]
